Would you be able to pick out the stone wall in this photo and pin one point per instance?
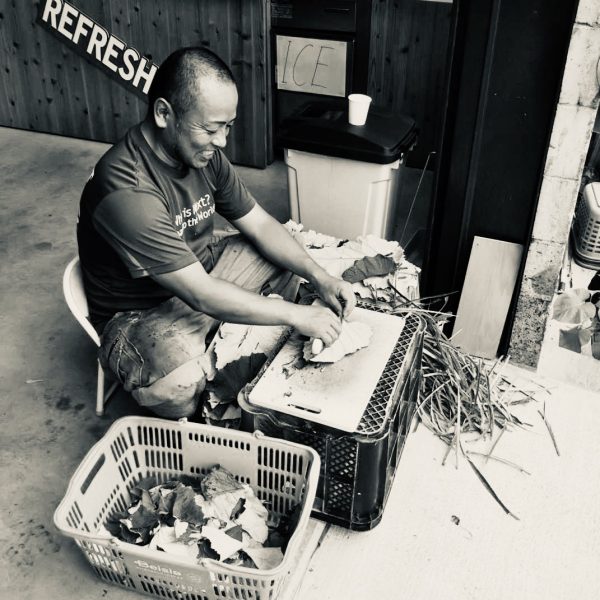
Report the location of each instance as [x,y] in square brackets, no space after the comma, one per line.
[571,133]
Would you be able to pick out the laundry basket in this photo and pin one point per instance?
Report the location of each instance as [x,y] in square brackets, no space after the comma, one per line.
[586,227]
[282,474]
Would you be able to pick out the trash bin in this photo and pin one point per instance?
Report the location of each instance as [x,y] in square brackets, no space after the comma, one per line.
[342,177]
[586,227]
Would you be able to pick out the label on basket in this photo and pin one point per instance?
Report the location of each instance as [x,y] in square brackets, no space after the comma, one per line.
[176,578]
[142,564]
[333,394]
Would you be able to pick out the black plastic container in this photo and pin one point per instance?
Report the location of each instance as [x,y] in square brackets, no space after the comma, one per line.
[323,128]
[357,469]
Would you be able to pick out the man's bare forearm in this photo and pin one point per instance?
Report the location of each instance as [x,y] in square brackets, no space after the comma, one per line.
[277,245]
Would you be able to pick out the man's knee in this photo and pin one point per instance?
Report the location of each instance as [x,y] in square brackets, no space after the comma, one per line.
[177,394]
[169,409]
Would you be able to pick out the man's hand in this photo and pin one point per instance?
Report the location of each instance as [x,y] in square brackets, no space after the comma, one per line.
[317,321]
[337,294]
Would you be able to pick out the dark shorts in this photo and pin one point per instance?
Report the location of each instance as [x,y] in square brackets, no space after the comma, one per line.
[159,354]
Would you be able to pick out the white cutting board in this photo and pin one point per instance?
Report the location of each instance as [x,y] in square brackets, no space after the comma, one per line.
[333,394]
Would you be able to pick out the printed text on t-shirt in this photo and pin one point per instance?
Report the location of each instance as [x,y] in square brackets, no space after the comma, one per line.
[200,210]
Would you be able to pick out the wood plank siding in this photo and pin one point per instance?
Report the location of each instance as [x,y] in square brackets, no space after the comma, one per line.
[47,87]
[408,62]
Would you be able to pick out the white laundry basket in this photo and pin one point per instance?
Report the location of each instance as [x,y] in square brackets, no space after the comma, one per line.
[283,474]
[586,227]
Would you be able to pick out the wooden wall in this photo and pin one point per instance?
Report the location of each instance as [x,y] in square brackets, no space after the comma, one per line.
[45,86]
[408,62]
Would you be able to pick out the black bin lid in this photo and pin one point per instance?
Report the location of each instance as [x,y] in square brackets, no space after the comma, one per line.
[323,128]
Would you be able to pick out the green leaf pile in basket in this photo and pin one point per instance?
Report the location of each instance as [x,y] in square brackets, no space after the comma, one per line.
[214,516]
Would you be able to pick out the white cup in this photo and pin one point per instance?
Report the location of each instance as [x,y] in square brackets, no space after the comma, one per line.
[358,108]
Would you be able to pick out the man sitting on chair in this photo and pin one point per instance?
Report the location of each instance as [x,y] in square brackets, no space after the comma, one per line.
[158,281]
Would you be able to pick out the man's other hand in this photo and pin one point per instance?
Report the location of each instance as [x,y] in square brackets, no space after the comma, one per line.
[337,294]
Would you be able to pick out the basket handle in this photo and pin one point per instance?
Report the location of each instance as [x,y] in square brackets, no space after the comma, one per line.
[92,474]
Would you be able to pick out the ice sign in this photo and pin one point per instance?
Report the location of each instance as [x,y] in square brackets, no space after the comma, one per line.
[310,65]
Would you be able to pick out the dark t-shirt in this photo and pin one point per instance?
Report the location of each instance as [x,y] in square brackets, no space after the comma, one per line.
[140,216]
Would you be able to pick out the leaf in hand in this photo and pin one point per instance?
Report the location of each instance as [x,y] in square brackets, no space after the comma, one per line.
[370,266]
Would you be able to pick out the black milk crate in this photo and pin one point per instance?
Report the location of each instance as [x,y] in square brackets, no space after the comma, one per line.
[357,469]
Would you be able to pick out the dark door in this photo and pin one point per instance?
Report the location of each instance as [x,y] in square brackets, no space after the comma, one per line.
[506,68]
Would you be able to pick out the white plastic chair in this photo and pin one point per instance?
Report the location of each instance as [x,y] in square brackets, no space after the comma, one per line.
[77,303]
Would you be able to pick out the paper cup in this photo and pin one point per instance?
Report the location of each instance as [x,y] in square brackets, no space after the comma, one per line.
[358,108]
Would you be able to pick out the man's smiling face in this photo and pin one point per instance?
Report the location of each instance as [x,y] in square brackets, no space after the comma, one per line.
[192,138]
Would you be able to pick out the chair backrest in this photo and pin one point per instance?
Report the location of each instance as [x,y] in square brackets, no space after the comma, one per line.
[75,297]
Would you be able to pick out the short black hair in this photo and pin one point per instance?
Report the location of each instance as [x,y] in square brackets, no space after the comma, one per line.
[177,75]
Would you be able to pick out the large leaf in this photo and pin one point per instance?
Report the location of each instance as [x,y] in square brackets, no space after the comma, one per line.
[220,481]
[235,375]
[370,266]
[185,507]
[569,339]
[573,306]
[574,339]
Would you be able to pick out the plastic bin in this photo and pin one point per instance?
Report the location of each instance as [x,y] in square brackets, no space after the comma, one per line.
[586,227]
[282,474]
[357,469]
[341,177]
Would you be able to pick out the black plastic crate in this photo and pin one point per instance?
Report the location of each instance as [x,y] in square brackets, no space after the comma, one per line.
[357,469]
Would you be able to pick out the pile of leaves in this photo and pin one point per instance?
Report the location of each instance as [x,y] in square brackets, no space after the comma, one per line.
[214,516]
[579,307]
[375,267]
[237,354]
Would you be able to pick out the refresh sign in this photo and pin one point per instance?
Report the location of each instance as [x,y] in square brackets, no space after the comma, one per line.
[90,39]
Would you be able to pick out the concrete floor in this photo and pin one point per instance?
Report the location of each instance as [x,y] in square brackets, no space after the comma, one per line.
[47,382]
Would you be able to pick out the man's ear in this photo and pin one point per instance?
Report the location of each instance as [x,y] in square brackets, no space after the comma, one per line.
[163,113]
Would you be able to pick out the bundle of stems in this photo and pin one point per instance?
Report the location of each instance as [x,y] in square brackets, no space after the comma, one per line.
[463,398]
[461,393]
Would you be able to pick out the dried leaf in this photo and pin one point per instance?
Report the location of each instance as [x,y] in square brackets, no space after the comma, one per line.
[235,375]
[595,282]
[253,519]
[224,545]
[573,306]
[234,341]
[186,508]
[237,509]
[144,514]
[569,339]
[235,532]
[370,266]
[219,481]
[265,558]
